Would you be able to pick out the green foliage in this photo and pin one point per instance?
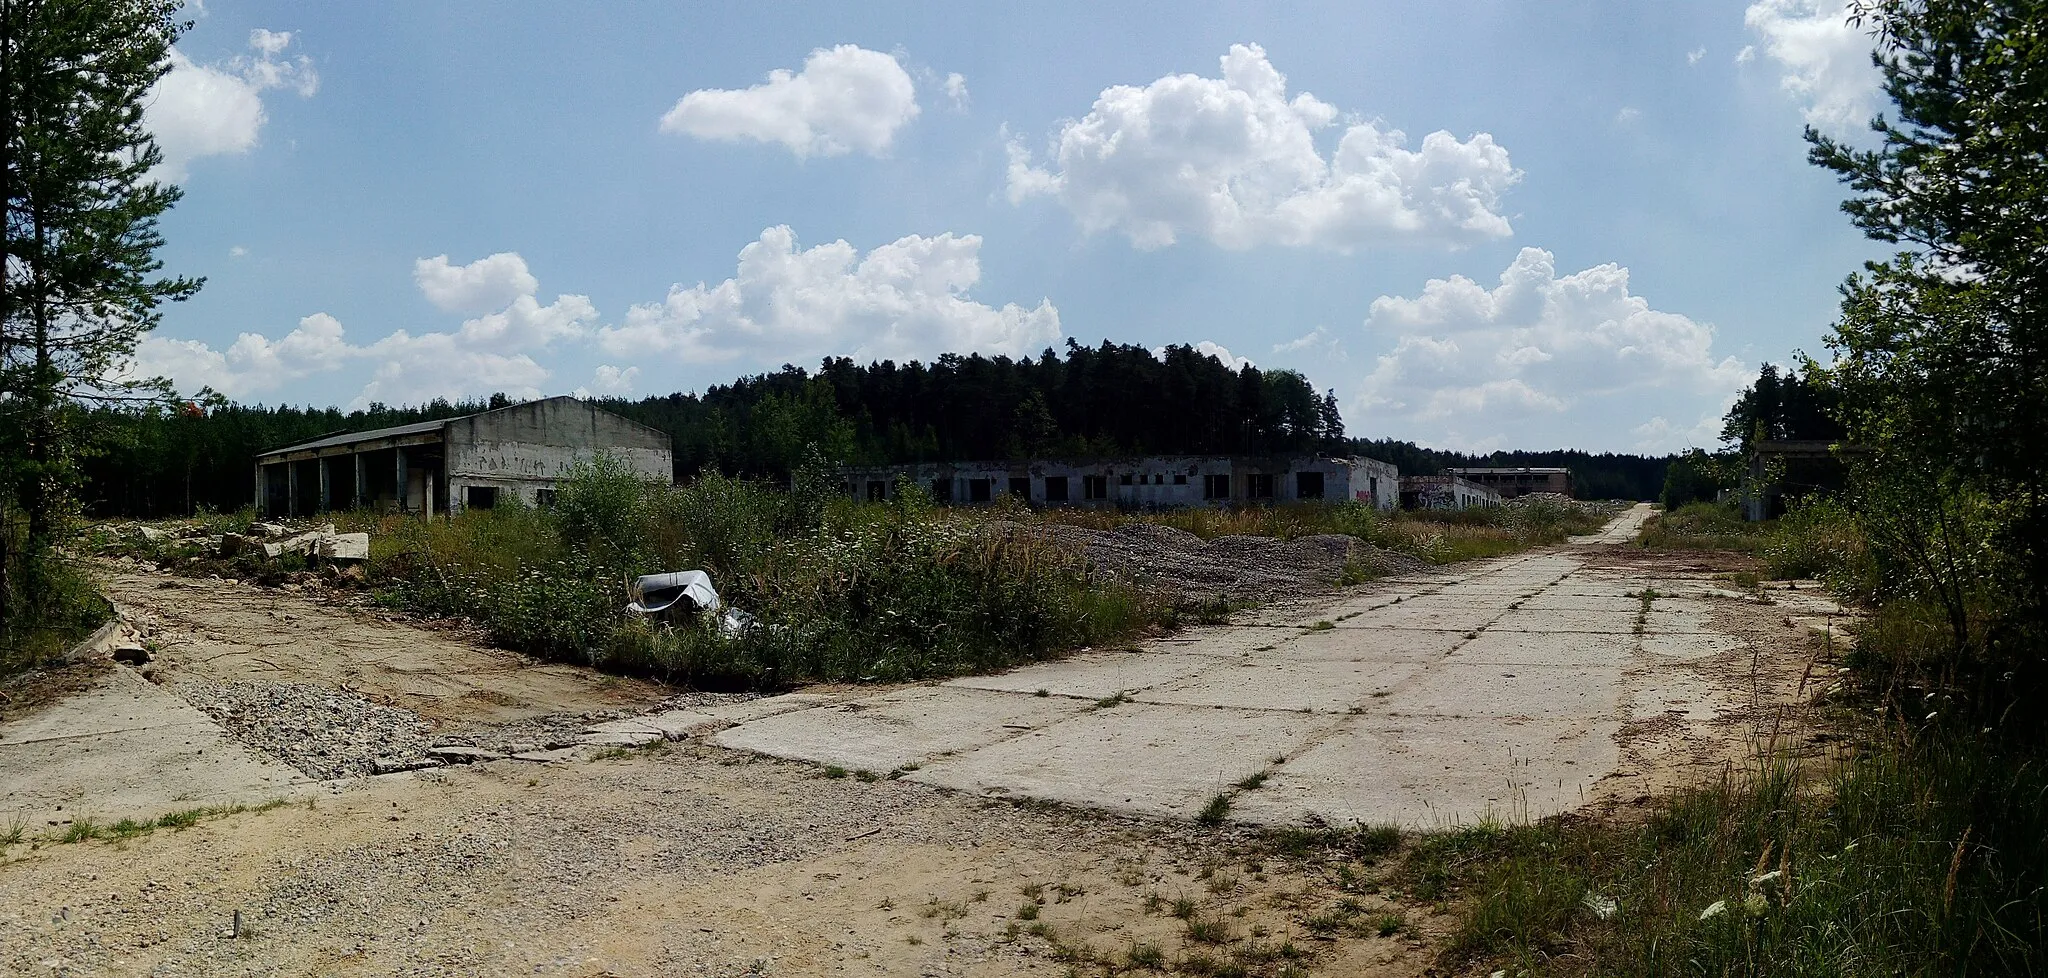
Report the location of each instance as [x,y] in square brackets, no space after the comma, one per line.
[1942,352]
[1790,407]
[1697,477]
[1704,526]
[80,284]
[1924,858]
[841,592]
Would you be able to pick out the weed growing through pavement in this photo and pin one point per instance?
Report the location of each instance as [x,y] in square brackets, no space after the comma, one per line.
[1215,811]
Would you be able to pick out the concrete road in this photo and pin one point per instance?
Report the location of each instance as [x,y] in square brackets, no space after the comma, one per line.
[1496,689]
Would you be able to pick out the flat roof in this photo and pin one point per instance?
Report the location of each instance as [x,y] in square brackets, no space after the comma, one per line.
[375,434]
[1531,469]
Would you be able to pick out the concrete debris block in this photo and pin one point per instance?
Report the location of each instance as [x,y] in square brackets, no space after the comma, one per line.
[150,534]
[683,724]
[621,738]
[345,546]
[633,726]
[269,530]
[131,655]
[232,544]
[550,756]
[458,754]
[395,765]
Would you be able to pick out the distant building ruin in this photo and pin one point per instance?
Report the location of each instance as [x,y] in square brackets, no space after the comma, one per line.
[1445,492]
[472,462]
[1518,481]
[1151,482]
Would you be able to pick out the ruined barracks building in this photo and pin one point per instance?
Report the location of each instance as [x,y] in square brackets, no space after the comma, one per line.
[475,461]
[1154,482]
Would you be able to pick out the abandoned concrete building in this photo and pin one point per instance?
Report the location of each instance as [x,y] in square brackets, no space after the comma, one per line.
[471,462]
[1781,471]
[1445,492]
[1518,481]
[1159,482]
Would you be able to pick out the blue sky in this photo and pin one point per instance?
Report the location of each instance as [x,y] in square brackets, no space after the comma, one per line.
[1486,225]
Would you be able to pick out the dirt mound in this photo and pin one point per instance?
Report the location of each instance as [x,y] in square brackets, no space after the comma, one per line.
[1233,568]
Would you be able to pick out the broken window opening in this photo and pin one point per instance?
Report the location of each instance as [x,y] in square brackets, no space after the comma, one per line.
[1055,488]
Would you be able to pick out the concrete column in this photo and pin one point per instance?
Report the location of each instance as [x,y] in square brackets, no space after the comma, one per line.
[403,500]
[291,488]
[427,498]
[326,488]
[262,490]
[362,483]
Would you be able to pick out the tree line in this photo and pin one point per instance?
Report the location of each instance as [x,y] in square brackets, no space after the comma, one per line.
[1106,400]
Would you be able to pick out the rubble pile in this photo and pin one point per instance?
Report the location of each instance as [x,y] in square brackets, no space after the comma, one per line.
[323,731]
[1232,568]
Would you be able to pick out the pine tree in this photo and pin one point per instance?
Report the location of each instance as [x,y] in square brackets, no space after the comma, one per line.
[80,283]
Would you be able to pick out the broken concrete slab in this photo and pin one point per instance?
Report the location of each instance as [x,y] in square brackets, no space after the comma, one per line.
[1369,645]
[1227,641]
[458,754]
[128,749]
[1504,648]
[343,547]
[908,726]
[683,724]
[1270,683]
[1440,613]
[1689,645]
[1395,771]
[1527,619]
[1138,757]
[1454,689]
[768,706]
[1096,675]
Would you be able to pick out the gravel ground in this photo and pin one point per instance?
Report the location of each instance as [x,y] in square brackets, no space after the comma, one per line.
[684,862]
[323,731]
[1234,568]
[336,733]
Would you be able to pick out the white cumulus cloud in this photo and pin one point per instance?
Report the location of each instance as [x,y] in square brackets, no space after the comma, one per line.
[1825,59]
[845,99]
[955,87]
[610,381]
[489,352]
[905,299]
[199,110]
[1236,160]
[1539,359]
[487,283]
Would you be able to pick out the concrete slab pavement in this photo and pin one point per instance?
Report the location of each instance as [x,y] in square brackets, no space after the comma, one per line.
[1499,689]
[127,749]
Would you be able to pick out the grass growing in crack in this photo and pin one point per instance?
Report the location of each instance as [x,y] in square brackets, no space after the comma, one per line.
[1322,626]
[1215,811]
[1253,781]
[1145,956]
[1117,698]
[1185,908]
[1208,930]
[866,776]
[834,771]
[1027,912]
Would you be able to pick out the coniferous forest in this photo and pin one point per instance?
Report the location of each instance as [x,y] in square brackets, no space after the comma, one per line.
[1112,399]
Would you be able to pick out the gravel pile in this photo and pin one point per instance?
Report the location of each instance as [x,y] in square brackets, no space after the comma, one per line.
[322,731]
[1235,568]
